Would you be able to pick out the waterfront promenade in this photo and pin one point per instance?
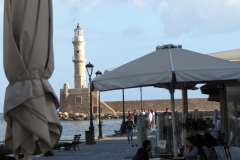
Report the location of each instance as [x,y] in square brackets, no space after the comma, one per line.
[111,147]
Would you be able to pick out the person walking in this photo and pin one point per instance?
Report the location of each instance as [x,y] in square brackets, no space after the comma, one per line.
[153,118]
[153,113]
[129,125]
[150,117]
[135,114]
[130,115]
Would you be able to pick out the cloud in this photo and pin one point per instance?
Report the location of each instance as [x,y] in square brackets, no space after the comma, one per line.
[178,17]
[86,5]
[199,17]
[194,17]
[139,2]
[75,5]
[132,32]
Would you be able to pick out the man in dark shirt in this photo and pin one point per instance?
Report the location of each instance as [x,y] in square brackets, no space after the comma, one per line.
[167,112]
[142,153]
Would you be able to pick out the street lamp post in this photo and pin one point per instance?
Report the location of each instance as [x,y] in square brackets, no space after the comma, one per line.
[100,123]
[89,70]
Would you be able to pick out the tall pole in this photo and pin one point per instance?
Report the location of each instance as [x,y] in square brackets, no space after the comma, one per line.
[97,105]
[91,127]
[141,97]
[100,129]
[184,112]
[174,123]
[123,122]
[223,109]
[215,120]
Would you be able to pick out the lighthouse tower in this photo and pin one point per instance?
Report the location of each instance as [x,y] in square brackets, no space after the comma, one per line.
[79,58]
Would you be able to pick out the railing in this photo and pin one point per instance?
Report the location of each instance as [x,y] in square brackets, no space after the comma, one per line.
[85,58]
[84,39]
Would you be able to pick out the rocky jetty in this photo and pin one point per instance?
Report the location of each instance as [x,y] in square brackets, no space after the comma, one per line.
[65,116]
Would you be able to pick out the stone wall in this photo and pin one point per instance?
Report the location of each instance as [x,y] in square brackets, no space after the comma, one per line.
[161,105]
[77,101]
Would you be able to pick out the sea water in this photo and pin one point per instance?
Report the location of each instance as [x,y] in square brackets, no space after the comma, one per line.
[71,128]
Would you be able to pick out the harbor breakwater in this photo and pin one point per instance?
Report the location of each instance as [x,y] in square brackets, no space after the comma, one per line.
[65,116]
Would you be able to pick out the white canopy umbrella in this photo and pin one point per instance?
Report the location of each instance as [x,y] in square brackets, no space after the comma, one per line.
[158,66]
[30,102]
[168,67]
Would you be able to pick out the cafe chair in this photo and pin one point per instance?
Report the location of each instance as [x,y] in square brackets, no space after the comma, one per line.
[233,153]
[221,154]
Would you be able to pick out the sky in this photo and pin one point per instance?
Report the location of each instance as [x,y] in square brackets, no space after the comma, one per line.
[119,31]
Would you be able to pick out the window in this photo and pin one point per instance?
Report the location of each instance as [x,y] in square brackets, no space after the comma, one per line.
[78,99]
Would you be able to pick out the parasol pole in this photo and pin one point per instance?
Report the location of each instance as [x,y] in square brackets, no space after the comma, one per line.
[174,123]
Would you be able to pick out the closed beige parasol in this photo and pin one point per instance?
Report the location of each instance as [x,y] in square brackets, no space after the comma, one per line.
[30,102]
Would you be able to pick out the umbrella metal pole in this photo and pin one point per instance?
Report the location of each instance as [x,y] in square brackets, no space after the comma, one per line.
[223,109]
[141,97]
[97,105]
[175,149]
[100,128]
[91,128]
[184,112]
[215,120]
[123,122]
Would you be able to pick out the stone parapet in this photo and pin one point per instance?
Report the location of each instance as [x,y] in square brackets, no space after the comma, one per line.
[161,105]
[76,91]
[71,103]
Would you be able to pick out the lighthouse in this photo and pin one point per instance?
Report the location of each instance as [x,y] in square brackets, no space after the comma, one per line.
[79,58]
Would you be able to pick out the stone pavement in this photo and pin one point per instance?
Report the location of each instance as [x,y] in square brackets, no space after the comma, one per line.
[111,147]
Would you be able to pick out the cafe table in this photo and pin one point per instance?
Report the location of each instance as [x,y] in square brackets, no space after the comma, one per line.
[164,156]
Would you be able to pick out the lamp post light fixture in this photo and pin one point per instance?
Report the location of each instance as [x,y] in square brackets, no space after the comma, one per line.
[98,73]
[100,123]
[89,70]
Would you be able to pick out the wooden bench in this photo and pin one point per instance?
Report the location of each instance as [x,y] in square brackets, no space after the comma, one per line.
[74,144]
